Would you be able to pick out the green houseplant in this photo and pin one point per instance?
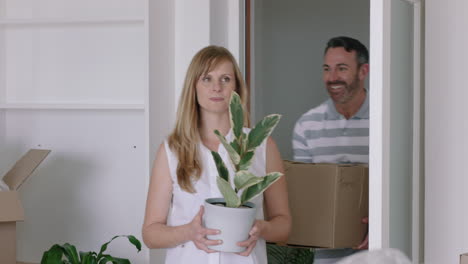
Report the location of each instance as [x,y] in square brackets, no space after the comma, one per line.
[241,152]
[236,215]
[67,254]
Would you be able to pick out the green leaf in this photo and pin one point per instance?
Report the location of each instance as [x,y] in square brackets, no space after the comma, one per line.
[71,253]
[114,260]
[230,196]
[292,255]
[255,190]
[53,255]
[245,179]
[246,160]
[88,257]
[235,158]
[262,130]
[237,114]
[222,170]
[131,238]
[121,261]
[135,242]
[105,259]
[104,247]
[236,146]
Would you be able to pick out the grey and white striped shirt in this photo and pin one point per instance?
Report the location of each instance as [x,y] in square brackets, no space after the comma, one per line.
[322,135]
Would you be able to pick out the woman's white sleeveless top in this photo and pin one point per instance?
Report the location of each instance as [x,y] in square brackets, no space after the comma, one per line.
[186,205]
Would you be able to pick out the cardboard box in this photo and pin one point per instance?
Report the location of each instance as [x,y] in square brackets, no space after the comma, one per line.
[328,202]
[464,258]
[11,209]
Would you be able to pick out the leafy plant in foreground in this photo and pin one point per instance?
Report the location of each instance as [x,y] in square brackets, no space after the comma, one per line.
[67,254]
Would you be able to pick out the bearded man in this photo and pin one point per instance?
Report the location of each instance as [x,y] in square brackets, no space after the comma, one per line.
[337,131]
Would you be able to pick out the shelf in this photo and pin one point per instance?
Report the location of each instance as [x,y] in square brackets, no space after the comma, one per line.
[50,22]
[68,106]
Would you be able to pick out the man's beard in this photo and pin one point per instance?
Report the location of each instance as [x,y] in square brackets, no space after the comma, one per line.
[349,90]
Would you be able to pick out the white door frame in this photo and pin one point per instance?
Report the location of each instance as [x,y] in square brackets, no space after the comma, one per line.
[379,137]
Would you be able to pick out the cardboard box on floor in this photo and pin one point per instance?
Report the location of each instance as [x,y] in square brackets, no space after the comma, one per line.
[11,209]
[464,258]
[327,204]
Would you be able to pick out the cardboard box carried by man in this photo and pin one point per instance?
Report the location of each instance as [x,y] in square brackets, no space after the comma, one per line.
[11,209]
[328,202]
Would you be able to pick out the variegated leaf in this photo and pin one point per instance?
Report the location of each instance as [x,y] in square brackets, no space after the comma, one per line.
[255,190]
[235,146]
[235,158]
[222,170]
[246,160]
[230,196]
[237,114]
[262,130]
[245,179]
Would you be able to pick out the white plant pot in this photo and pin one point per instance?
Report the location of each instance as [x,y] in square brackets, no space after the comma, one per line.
[234,224]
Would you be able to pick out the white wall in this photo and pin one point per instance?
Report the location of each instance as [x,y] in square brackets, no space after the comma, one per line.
[89,188]
[289,41]
[76,77]
[446,128]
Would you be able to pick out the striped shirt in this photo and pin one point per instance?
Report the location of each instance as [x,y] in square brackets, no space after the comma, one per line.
[322,135]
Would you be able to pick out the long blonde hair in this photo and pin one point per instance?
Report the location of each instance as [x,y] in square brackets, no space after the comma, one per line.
[185,137]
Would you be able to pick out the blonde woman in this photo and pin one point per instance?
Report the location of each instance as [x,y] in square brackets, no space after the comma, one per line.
[184,173]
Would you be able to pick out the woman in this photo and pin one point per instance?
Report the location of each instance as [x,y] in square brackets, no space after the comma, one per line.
[184,173]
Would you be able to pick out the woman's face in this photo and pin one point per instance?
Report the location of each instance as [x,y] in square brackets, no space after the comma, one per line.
[214,89]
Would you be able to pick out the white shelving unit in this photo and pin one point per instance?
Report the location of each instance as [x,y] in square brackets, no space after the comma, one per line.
[74,79]
[72,52]
[63,22]
[64,106]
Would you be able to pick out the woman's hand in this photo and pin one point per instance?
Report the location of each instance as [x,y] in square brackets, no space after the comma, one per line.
[198,233]
[254,235]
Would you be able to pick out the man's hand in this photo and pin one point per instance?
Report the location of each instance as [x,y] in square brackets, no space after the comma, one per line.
[365,243]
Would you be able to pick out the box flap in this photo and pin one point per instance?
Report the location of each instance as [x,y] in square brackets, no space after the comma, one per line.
[464,258]
[24,167]
[10,207]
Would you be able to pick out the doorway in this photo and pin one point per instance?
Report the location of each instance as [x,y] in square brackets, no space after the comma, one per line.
[287,42]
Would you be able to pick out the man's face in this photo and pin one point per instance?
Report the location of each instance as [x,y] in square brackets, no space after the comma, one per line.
[341,74]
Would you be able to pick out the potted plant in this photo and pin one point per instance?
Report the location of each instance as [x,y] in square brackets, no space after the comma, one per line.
[234,214]
[67,254]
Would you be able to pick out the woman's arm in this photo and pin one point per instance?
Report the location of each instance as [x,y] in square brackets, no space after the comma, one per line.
[277,224]
[278,217]
[156,232]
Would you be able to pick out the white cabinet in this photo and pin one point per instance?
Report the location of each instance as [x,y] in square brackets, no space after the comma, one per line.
[72,54]
[74,79]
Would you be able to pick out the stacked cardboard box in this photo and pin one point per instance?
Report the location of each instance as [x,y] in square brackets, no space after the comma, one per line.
[328,202]
[11,209]
[464,258]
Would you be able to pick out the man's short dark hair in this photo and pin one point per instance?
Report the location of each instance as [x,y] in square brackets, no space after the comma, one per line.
[350,44]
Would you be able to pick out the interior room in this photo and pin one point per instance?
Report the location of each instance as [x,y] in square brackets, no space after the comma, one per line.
[98,82]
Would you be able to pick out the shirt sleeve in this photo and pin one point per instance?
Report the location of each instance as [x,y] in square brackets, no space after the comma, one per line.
[299,143]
